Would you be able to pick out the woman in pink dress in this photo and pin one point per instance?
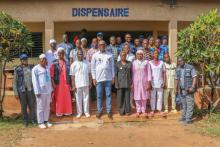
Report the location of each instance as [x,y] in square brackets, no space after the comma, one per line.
[59,72]
[141,75]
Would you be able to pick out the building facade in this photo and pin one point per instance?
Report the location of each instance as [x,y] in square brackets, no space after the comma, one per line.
[51,18]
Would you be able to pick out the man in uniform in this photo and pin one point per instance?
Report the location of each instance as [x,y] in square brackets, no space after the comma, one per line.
[186,85]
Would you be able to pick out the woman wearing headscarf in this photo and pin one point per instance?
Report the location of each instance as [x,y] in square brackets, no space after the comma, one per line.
[60,78]
[141,75]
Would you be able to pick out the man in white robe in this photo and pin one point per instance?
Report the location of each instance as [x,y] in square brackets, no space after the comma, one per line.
[42,90]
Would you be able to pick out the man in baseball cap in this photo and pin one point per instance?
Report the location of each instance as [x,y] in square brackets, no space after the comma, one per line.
[23,56]
[99,36]
[23,90]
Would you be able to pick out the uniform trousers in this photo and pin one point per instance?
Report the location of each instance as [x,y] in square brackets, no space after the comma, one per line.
[187,107]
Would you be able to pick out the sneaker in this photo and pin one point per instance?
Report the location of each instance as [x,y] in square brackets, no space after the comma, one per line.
[166,111]
[78,115]
[87,115]
[174,111]
[42,126]
[49,124]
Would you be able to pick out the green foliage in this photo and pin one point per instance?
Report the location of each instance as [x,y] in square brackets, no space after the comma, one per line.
[200,42]
[14,37]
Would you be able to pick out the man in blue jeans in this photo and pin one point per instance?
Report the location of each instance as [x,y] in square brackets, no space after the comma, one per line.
[102,69]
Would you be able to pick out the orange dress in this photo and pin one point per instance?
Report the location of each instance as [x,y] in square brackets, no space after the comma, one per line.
[62,102]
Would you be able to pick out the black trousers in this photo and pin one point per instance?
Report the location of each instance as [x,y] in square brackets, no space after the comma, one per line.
[28,100]
[92,93]
[123,99]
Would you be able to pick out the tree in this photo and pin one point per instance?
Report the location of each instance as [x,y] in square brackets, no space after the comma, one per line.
[14,39]
[199,44]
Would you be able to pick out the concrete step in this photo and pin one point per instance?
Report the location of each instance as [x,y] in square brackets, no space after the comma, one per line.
[116,118]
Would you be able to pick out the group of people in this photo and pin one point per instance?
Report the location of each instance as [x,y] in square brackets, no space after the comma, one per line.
[141,71]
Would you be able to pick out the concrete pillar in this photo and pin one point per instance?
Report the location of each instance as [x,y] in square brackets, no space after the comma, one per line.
[172,28]
[155,34]
[49,33]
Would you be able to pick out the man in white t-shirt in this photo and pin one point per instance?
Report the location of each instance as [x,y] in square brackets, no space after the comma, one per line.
[81,82]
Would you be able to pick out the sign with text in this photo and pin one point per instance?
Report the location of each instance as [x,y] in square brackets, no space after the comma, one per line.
[100,12]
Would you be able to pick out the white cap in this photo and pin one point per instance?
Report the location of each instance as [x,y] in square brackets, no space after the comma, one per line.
[52,41]
[140,52]
[60,49]
[83,39]
[42,56]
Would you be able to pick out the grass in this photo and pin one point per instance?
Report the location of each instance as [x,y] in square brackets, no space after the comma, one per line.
[210,126]
[10,131]
[8,123]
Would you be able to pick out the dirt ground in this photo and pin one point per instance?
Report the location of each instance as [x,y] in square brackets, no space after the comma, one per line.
[151,133]
[121,132]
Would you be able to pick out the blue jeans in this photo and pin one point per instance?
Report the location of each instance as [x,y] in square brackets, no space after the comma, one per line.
[108,92]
